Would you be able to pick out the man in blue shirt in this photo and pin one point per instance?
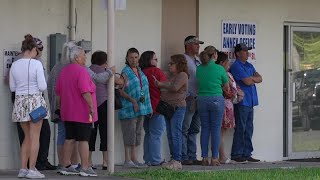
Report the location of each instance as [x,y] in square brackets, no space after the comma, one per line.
[246,77]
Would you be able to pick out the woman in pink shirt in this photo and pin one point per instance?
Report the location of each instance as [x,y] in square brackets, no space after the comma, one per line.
[76,94]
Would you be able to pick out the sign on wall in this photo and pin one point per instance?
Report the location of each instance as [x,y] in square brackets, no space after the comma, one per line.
[235,32]
[8,57]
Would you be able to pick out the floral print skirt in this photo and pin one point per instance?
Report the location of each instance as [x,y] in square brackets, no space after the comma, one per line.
[228,117]
[25,104]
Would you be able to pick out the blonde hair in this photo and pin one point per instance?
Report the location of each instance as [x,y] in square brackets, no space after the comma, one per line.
[206,55]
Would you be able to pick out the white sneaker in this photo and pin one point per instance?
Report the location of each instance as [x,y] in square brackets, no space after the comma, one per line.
[130,164]
[34,174]
[22,173]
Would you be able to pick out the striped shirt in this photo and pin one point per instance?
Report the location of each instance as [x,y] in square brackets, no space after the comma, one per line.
[136,91]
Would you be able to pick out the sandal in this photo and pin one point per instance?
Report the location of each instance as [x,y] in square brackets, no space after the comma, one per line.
[214,162]
[205,162]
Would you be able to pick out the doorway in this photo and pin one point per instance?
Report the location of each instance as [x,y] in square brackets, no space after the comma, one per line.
[302,91]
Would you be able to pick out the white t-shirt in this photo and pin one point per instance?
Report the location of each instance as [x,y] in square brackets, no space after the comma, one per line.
[18,79]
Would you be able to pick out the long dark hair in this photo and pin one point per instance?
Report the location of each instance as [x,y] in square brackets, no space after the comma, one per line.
[131,50]
[222,57]
[145,59]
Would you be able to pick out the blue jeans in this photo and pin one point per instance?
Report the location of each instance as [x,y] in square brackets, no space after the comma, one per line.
[242,144]
[61,133]
[211,110]
[190,129]
[174,133]
[153,127]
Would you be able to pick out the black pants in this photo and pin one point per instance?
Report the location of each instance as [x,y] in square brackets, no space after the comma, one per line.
[102,123]
[44,142]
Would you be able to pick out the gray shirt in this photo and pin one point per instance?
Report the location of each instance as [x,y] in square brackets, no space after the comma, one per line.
[192,68]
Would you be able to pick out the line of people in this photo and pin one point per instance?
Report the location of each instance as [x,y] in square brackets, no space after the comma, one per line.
[204,91]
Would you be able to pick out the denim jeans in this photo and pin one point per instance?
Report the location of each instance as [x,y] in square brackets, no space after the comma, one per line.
[242,144]
[153,127]
[174,133]
[190,129]
[211,110]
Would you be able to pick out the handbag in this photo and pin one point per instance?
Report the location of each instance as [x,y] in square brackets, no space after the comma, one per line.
[117,96]
[39,113]
[165,109]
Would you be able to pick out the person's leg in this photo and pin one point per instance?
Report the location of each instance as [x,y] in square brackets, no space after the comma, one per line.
[176,132]
[74,154]
[34,134]
[138,135]
[205,130]
[69,143]
[128,134]
[169,136]
[238,136]
[157,126]
[222,153]
[192,137]
[92,141]
[45,133]
[185,130]
[60,141]
[84,154]
[248,148]
[20,133]
[103,131]
[25,147]
[146,142]
[216,114]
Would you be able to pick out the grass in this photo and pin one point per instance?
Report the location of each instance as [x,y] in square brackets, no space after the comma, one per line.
[161,174]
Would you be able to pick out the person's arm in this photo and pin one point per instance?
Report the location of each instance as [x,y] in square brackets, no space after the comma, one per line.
[176,85]
[88,98]
[129,98]
[100,77]
[58,102]
[257,78]
[12,82]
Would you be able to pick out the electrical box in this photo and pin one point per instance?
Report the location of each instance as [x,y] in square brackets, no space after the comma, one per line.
[86,45]
[56,43]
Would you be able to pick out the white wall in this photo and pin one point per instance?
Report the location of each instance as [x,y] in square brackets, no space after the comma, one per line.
[139,26]
[270,17]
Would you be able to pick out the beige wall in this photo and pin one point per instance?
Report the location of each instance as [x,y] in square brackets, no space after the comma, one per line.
[179,19]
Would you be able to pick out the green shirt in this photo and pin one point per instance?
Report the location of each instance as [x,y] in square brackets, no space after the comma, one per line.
[210,79]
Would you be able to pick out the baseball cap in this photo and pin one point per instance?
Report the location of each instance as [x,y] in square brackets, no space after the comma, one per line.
[39,43]
[192,39]
[241,47]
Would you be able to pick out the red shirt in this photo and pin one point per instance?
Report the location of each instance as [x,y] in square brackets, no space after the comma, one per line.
[153,89]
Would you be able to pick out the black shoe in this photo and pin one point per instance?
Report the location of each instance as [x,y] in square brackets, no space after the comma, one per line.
[251,159]
[187,162]
[239,159]
[41,168]
[49,166]
[104,168]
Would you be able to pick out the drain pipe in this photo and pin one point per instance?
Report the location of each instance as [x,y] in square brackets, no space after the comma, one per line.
[72,20]
[111,58]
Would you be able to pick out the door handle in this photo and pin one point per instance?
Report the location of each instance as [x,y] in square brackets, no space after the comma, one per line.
[293,92]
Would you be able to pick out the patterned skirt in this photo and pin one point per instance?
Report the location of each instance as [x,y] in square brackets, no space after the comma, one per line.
[25,104]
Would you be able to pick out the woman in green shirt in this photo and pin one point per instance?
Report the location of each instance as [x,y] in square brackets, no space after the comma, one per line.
[211,78]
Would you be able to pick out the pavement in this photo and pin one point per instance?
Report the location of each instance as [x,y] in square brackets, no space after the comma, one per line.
[12,174]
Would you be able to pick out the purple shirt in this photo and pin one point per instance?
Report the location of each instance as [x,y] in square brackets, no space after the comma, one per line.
[102,89]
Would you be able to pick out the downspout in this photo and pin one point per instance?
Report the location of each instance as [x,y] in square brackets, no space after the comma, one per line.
[72,20]
[111,57]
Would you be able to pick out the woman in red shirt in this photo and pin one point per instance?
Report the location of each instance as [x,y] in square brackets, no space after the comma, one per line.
[154,125]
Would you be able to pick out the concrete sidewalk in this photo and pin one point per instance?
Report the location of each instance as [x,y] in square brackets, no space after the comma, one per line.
[12,174]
